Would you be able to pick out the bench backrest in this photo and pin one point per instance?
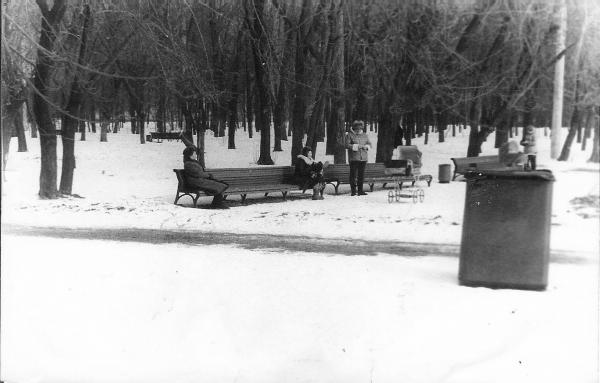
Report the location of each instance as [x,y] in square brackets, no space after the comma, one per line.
[336,171]
[376,169]
[342,171]
[272,175]
[251,176]
[165,135]
[464,162]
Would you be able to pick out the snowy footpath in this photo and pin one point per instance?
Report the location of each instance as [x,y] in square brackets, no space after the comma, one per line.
[123,286]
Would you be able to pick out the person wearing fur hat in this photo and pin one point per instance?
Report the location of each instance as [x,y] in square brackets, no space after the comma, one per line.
[530,147]
[309,173]
[197,177]
[358,144]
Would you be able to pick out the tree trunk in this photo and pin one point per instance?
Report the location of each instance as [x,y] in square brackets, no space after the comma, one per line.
[50,22]
[409,127]
[160,110]
[442,125]
[298,123]
[575,125]
[338,115]
[559,74]
[30,116]
[9,113]
[280,112]
[20,129]
[232,124]
[595,157]
[141,126]
[69,123]
[573,128]
[260,51]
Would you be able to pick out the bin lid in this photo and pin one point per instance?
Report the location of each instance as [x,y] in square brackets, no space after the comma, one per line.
[542,175]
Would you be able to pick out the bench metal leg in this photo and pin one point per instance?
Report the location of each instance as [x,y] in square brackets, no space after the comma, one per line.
[266,194]
[284,195]
[196,199]
[243,198]
[371,186]
[177,196]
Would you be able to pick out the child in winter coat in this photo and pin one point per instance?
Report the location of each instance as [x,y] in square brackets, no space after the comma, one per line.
[309,173]
[530,148]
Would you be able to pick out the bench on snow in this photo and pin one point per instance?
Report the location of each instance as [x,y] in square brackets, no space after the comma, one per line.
[159,136]
[244,181]
[463,165]
[375,173]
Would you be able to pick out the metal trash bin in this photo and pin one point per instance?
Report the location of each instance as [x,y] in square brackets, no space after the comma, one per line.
[444,173]
[506,229]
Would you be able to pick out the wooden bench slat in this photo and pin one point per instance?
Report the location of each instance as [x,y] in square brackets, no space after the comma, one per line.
[243,181]
[338,174]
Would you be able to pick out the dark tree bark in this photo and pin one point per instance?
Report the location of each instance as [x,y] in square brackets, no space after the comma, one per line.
[30,115]
[160,110]
[234,97]
[337,121]
[280,112]
[298,122]
[595,120]
[20,130]
[50,22]
[70,124]
[260,52]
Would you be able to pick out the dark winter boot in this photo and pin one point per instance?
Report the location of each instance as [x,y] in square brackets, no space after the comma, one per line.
[218,202]
[317,193]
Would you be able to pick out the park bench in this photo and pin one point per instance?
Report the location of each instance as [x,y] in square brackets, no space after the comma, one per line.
[375,173]
[463,165]
[159,136]
[243,181]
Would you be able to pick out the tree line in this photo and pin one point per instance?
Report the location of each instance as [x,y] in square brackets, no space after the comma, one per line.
[299,69]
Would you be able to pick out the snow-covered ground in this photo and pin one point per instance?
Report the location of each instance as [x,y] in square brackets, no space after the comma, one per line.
[89,307]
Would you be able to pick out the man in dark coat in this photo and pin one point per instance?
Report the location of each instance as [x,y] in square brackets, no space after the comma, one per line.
[196,177]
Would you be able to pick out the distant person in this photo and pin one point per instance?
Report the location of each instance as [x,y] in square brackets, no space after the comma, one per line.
[530,147]
[399,136]
[309,173]
[358,144]
[196,177]
[509,154]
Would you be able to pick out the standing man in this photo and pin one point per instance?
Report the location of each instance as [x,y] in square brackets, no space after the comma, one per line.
[358,144]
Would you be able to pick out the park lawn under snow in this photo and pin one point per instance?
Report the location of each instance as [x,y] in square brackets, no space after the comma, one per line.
[106,310]
[128,185]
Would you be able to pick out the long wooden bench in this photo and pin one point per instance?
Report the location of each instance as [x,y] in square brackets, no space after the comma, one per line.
[375,173]
[159,136]
[463,165]
[243,181]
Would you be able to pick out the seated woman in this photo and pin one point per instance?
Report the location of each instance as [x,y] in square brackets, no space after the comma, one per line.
[309,173]
[196,177]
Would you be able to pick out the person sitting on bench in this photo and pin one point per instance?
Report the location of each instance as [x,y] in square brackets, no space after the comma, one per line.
[196,177]
[309,173]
